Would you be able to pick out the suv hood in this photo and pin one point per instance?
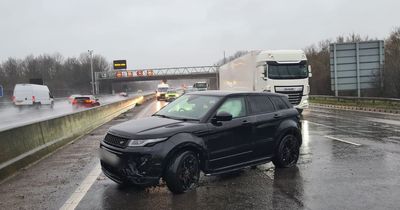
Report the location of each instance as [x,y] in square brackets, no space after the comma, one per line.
[152,127]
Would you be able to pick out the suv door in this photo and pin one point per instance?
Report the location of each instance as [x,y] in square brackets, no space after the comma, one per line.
[228,142]
[265,125]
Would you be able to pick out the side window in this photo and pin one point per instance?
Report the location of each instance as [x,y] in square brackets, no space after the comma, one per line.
[260,104]
[235,106]
[279,104]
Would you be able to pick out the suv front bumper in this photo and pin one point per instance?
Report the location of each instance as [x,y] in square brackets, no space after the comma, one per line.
[124,166]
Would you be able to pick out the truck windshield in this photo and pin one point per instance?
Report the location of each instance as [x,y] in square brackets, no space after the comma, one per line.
[287,71]
[200,85]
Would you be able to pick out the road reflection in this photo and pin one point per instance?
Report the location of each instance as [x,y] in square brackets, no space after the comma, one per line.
[160,104]
[287,183]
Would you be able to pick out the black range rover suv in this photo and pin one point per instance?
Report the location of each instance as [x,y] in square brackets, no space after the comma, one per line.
[211,131]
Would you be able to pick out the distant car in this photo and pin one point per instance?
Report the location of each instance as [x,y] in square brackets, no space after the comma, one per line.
[72,97]
[85,101]
[124,94]
[32,95]
[211,131]
[171,95]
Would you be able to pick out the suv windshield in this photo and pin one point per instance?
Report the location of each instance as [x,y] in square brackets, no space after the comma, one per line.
[287,71]
[192,107]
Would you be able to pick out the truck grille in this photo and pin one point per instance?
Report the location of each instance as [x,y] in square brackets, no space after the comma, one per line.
[294,95]
[116,141]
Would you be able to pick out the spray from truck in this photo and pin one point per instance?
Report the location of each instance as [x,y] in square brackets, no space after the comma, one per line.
[278,71]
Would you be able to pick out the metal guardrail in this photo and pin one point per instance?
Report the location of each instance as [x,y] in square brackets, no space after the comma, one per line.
[359,98]
[373,101]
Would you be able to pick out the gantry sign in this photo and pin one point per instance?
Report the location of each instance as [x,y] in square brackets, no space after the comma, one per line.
[157,73]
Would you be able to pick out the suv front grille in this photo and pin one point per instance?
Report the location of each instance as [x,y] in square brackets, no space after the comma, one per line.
[116,141]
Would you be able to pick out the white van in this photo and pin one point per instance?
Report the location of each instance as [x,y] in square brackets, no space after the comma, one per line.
[30,94]
[161,91]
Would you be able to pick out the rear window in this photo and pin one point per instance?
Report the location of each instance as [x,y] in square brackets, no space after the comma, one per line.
[260,104]
[279,102]
[82,98]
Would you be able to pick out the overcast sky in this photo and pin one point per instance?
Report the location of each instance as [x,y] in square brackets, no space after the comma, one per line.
[166,33]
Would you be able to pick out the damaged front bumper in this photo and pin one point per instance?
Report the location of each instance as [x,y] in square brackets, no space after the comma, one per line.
[130,167]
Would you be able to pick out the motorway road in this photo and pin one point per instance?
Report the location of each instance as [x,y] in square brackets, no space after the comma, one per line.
[349,160]
[12,116]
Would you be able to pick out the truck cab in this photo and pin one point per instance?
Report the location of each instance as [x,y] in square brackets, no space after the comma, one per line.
[276,71]
[286,72]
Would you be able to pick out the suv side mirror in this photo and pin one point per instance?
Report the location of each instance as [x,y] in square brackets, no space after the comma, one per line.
[223,116]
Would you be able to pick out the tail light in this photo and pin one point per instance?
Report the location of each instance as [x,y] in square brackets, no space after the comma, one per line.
[74,101]
[13,98]
[33,98]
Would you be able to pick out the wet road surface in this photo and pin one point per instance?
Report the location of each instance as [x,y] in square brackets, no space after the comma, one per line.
[349,160]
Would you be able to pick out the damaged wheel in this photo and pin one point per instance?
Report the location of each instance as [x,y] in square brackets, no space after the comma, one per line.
[183,172]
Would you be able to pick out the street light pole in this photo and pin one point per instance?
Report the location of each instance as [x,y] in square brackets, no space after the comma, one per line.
[91,69]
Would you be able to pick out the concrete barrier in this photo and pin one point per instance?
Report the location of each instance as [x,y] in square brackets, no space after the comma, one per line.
[24,145]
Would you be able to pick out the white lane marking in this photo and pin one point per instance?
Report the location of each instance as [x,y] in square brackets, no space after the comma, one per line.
[339,129]
[341,140]
[81,191]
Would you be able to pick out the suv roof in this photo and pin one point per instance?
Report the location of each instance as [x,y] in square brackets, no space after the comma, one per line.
[227,93]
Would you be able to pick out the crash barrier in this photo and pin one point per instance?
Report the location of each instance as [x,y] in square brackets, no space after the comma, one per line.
[389,105]
[25,145]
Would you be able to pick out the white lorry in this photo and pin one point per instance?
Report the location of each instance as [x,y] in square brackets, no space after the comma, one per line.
[31,94]
[200,86]
[161,91]
[278,71]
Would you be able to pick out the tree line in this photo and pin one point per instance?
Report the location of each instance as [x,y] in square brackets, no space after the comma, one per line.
[63,76]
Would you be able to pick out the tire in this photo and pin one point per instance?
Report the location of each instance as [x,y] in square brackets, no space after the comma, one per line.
[287,152]
[183,172]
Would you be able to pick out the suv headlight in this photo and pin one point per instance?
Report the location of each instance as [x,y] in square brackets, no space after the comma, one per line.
[144,142]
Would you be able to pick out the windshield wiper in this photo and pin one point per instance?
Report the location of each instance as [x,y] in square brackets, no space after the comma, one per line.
[187,119]
[161,115]
[175,118]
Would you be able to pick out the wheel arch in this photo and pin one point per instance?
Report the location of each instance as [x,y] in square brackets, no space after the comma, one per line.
[189,144]
[285,128]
